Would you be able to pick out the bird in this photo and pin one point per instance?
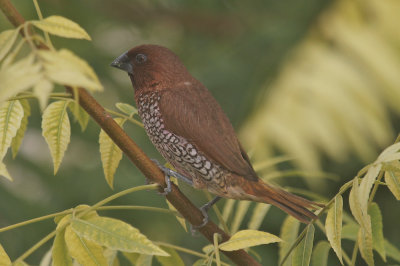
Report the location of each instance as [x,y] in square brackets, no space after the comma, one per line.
[190,130]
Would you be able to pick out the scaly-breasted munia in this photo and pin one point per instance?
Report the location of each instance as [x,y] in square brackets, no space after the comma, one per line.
[190,130]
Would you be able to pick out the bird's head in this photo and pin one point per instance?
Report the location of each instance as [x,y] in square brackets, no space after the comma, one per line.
[152,67]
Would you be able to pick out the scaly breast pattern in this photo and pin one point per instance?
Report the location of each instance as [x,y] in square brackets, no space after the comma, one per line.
[177,150]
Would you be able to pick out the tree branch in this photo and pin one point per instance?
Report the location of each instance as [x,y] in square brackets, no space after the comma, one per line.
[186,208]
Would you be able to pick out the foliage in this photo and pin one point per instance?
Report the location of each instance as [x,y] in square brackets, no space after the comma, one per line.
[81,235]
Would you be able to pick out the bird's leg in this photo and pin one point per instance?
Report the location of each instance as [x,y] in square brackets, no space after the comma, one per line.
[204,210]
[168,173]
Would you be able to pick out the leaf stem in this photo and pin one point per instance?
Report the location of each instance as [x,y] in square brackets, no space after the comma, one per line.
[124,116]
[103,208]
[185,250]
[46,35]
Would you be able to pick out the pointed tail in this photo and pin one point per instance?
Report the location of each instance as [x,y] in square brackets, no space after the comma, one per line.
[290,203]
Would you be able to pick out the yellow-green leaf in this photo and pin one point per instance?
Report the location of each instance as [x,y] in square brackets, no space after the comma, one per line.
[131,257]
[180,219]
[354,203]
[115,234]
[4,259]
[350,231]
[19,77]
[126,108]
[366,185]
[392,251]
[65,68]
[7,39]
[20,263]
[110,153]
[56,130]
[42,91]
[86,252]
[11,114]
[4,172]
[333,226]
[377,230]
[302,253]
[289,232]
[80,115]
[365,245]
[259,212]
[173,260]
[392,179]
[144,260]
[60,253]
[61,26]
[17,140]
[248,238]
[320,254]
[241,210]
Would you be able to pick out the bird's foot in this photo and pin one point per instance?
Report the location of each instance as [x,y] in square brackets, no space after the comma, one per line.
[204,210]
[168,173]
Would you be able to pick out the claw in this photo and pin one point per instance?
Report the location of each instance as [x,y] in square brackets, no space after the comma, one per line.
[204,210]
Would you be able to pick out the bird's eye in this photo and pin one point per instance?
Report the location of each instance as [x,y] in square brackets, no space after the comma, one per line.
[141,58]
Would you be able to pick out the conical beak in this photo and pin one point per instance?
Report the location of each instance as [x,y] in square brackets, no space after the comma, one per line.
[123,62]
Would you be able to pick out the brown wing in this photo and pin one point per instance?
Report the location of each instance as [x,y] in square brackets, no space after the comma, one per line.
[192,113]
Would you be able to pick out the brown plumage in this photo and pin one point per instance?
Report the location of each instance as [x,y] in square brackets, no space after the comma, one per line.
[191,131]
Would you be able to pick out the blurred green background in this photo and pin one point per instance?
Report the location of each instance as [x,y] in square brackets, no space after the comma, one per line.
[316,80]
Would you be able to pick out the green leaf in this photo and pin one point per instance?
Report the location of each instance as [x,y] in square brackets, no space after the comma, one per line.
[126,108]
[65,68]
[355,205]
[377,230]
[144,260]
[60,253]
[241,210]
[259,212]
[392,251]
[4,259]
[56,130]
[392,179]
[11,115]
[173,260]
[302,253]
[61,26]
[4,172]
[391,153]
[42,91]
[86,252]
[289,232]
[19,77]
[7,39]
[110,153]
[366,185]
[320,254]
[365,245]
[248,238]
[333,226]
[17,140]
[350,231]
[80,115]
[131,257]
[115,234]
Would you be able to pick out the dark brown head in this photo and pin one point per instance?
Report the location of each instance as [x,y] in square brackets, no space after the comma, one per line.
[152,67]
